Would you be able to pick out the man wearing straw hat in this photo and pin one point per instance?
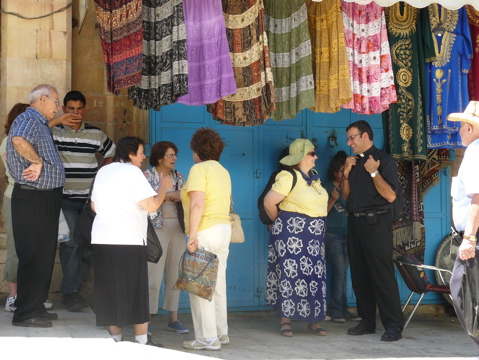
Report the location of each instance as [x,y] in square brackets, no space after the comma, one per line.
[465,205]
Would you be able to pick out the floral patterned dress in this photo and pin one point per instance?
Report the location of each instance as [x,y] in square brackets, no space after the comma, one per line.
[296,283]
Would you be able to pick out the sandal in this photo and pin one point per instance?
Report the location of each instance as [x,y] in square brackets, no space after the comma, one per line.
[286,331]
[316,329]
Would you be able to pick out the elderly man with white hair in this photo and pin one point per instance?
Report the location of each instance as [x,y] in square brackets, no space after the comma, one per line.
[465,205]
[35,165]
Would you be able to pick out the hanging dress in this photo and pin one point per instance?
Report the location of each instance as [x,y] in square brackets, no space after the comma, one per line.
[210,74]
[370,67]
[330,58]
[121,35]
[291,58]
[473,75]
[248,46]
[411,46]
[447,75]
[165,67]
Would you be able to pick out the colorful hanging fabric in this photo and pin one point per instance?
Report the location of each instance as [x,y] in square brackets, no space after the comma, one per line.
[165,67]
[411,46]
[248,45]
[473,75]
[409,232]
[447,75]
[370,67]
[121,35]
[210,73]
[330,58]
[290,54]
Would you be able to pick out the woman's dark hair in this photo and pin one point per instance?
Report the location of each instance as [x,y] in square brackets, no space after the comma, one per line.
[338,160]
[159,150]
[126,146]
[207,144]
[16,110]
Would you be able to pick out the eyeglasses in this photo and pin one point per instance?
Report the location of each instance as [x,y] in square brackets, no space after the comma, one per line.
[312,153]
[171,156]
[57,102]
[351,138]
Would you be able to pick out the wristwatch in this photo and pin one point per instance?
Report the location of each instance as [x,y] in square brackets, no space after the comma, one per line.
[374,174]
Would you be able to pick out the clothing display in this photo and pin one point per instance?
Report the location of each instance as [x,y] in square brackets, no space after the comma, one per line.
[291,58]
[165,67]
[411,45]
[447,75]
[473,74]
[121,35]
[370,67]
[248,46]
[330,58]
[210,74]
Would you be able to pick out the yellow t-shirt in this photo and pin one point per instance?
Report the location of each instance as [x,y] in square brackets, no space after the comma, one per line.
[214,180]
[303,199]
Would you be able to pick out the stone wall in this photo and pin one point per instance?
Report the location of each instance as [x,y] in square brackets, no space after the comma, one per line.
[53,50]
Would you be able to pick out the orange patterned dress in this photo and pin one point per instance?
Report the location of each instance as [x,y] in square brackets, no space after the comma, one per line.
[330,58]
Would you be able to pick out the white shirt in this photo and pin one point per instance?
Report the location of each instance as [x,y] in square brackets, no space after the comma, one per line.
[120,219]
[465,185]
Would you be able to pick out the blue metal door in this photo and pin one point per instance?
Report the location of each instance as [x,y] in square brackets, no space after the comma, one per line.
[251,155]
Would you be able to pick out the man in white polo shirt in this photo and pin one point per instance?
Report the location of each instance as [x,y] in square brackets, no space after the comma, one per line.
[465,205]
[78,146]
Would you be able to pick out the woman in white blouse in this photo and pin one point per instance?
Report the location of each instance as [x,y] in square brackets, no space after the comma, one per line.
[122,198]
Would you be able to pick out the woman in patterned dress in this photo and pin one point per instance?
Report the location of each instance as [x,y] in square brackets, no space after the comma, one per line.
[296,283]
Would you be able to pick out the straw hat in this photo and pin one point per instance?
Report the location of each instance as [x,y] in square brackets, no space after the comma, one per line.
[298,150]
[470,115]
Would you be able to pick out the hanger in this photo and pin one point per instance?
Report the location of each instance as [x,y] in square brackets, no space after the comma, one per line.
[439,31]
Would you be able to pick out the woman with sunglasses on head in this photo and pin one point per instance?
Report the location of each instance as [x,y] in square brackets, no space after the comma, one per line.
[167,226]
[296,283]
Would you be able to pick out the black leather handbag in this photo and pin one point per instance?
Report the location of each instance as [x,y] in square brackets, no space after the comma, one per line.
[154,248]
[82,233]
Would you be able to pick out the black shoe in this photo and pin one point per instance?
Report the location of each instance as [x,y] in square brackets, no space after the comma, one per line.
[361,329]
[74,301]
[392,334]
[34,322]
[48,316]
[150,342]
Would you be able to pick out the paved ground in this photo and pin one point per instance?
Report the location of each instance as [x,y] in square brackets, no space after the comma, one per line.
[252,335]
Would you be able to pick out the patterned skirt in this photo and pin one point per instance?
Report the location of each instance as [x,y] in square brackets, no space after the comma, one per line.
[296,283]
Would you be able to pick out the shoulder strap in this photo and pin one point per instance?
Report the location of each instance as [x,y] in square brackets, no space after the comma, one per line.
[295,177]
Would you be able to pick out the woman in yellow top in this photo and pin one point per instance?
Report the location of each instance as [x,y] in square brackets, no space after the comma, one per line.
[206,200]
[296,283]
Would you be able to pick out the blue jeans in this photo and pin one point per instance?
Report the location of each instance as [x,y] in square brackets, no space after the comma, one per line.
[337,257]
[75,260]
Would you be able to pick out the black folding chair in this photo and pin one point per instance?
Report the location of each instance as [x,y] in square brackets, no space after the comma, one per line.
[411,274]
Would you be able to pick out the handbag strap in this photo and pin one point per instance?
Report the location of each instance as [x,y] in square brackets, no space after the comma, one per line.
[176,180]
[181,265]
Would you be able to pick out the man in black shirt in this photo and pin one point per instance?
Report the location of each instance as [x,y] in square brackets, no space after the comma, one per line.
[370,183]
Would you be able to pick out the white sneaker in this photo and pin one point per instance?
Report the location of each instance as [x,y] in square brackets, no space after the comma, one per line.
[327,318]
[10,304]
[224,339]
[202,344]
[48,305]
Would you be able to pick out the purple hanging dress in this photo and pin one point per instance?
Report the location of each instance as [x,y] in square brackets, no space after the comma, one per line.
[210,72]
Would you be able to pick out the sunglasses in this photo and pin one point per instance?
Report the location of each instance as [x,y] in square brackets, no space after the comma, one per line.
[312,153]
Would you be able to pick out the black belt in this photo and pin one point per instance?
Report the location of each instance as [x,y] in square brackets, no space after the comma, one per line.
[28,187]
[364,214]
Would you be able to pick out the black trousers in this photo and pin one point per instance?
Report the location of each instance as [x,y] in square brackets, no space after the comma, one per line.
[35,230]
[456,291]
[370,249]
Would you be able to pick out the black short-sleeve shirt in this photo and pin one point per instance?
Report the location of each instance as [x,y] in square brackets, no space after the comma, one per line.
[363,194]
